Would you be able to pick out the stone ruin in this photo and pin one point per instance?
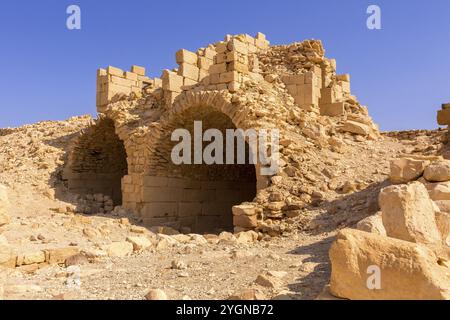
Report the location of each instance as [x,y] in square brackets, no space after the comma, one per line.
[241,82]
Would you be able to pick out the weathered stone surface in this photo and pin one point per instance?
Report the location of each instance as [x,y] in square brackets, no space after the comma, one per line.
[438,171]
[443,224]
[268,281]
[248,294]
[7,257]
[373,224]
[33,257]
[120,249]
[156,294]
[246,236]
[4,202]
[139,243]
[356,128]
[439,191]
[59,255]
[408,270]
[405,169]
[408,213]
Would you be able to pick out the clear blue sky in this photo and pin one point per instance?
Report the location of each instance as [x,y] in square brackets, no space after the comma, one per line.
[402,72]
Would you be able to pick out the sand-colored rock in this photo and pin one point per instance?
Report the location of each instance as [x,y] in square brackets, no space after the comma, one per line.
[156,294]
[120,249]
[438,171]
[373,224]
[408,213]
[443,224]
[407,270]
[439,191]
[4,202]
[139,242]
[7,257]
[404,170]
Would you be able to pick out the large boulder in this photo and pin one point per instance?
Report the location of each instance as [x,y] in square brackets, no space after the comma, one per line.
[405,169]
[408,213]
[438,171]
[373,224]
[369,266]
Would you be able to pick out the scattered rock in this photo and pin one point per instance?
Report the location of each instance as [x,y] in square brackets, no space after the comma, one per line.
[268,281]
[156,294]
[139,243]
[120,249]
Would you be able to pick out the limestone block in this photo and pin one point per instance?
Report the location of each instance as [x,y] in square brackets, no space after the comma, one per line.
[332,109]
[262,44]
[161,194]
[204,63]
[260,36]
[186,209]
[229,77]
[409,213]
[139,243]
[438,171]
[407,270]
[189,71]
[120,249]
[122,81]
[114,71]
[236,45]
[131,76]
[185,56]
[59,255]
[293,79]
[160,209]
[443,117]
[152,181]
[210,53]
[138,70]
[8,257]
[171,81]
[343,77]
[439,191]
[405,169]
[218,68]
[237,66]
[345,86]
[244,221]
[221,47]
[356,128]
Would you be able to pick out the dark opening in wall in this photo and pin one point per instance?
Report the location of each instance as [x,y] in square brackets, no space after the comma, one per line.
[97,164]
[198,196]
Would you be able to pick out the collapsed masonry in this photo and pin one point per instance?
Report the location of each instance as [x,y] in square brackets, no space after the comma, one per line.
[241,82]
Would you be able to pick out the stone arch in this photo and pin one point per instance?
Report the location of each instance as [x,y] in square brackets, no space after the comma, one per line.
[197,196]
[96,164]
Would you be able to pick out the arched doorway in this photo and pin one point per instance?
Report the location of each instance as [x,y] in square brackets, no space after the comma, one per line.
[97,164]
[199,196]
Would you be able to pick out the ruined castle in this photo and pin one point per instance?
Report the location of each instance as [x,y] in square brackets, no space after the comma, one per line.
[241,82]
